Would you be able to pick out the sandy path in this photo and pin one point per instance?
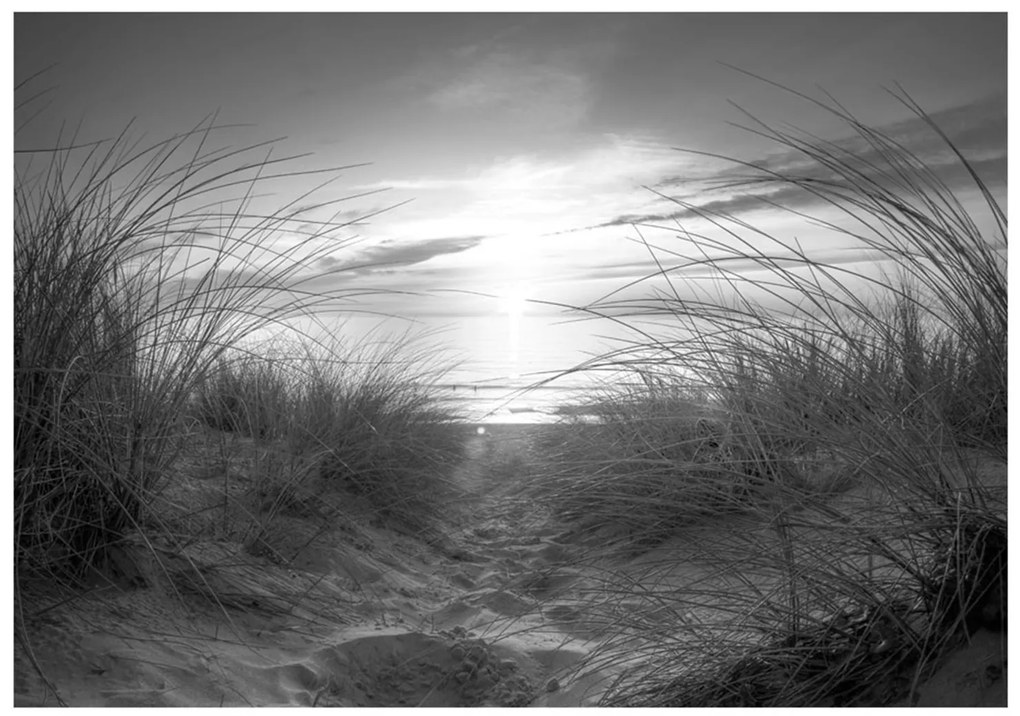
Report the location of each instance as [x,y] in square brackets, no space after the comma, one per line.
[387,621]
[498,613]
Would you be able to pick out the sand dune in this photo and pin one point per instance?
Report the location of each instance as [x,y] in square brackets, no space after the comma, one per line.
[360,616]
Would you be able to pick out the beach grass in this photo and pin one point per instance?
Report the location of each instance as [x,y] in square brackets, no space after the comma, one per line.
[832,440]
[141,274]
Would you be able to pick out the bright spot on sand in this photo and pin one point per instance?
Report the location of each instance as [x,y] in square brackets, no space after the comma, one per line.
[481,430]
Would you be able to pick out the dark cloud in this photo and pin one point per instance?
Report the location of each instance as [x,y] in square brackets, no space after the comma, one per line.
[345,216]
[330,218]
[680,267]
[330,263]
[977,126]
[788,197]
[977,130]
[377,270]
[386,256]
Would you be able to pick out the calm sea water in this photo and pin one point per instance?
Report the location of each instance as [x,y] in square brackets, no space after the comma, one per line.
[516,377]
[501,403]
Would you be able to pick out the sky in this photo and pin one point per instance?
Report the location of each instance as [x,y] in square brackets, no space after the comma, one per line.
[509,160]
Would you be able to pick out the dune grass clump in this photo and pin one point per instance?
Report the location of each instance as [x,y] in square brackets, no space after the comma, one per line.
[639,464]
[323,432]
[883,394]
[371,422]
[247,394]
[366,419]
[140,274]
[127,289]
[852,603]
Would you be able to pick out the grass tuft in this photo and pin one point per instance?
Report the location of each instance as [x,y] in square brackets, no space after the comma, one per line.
[825,443]
[141,274]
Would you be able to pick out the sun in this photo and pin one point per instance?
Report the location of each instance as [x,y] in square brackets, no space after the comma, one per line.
[513,300]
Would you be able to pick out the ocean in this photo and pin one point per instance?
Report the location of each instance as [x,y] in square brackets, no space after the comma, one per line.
[505,403]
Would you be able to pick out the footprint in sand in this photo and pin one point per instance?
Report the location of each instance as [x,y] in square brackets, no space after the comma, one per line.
[462,581]
[503,603]
[412,669]
[548,584]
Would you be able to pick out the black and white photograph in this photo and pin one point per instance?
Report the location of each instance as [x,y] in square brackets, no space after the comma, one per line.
[484,357]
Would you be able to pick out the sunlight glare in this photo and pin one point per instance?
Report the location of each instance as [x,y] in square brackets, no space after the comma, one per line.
[512,302]
[513,299]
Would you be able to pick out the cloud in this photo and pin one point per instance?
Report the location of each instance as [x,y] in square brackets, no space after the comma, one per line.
[504,78]
[979,126]
[391,254]
[676,210]
[544,93]
[530,194]
[419,184]
[327,224]
[788,198]
[333,215]
[977,129]
[680,266]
